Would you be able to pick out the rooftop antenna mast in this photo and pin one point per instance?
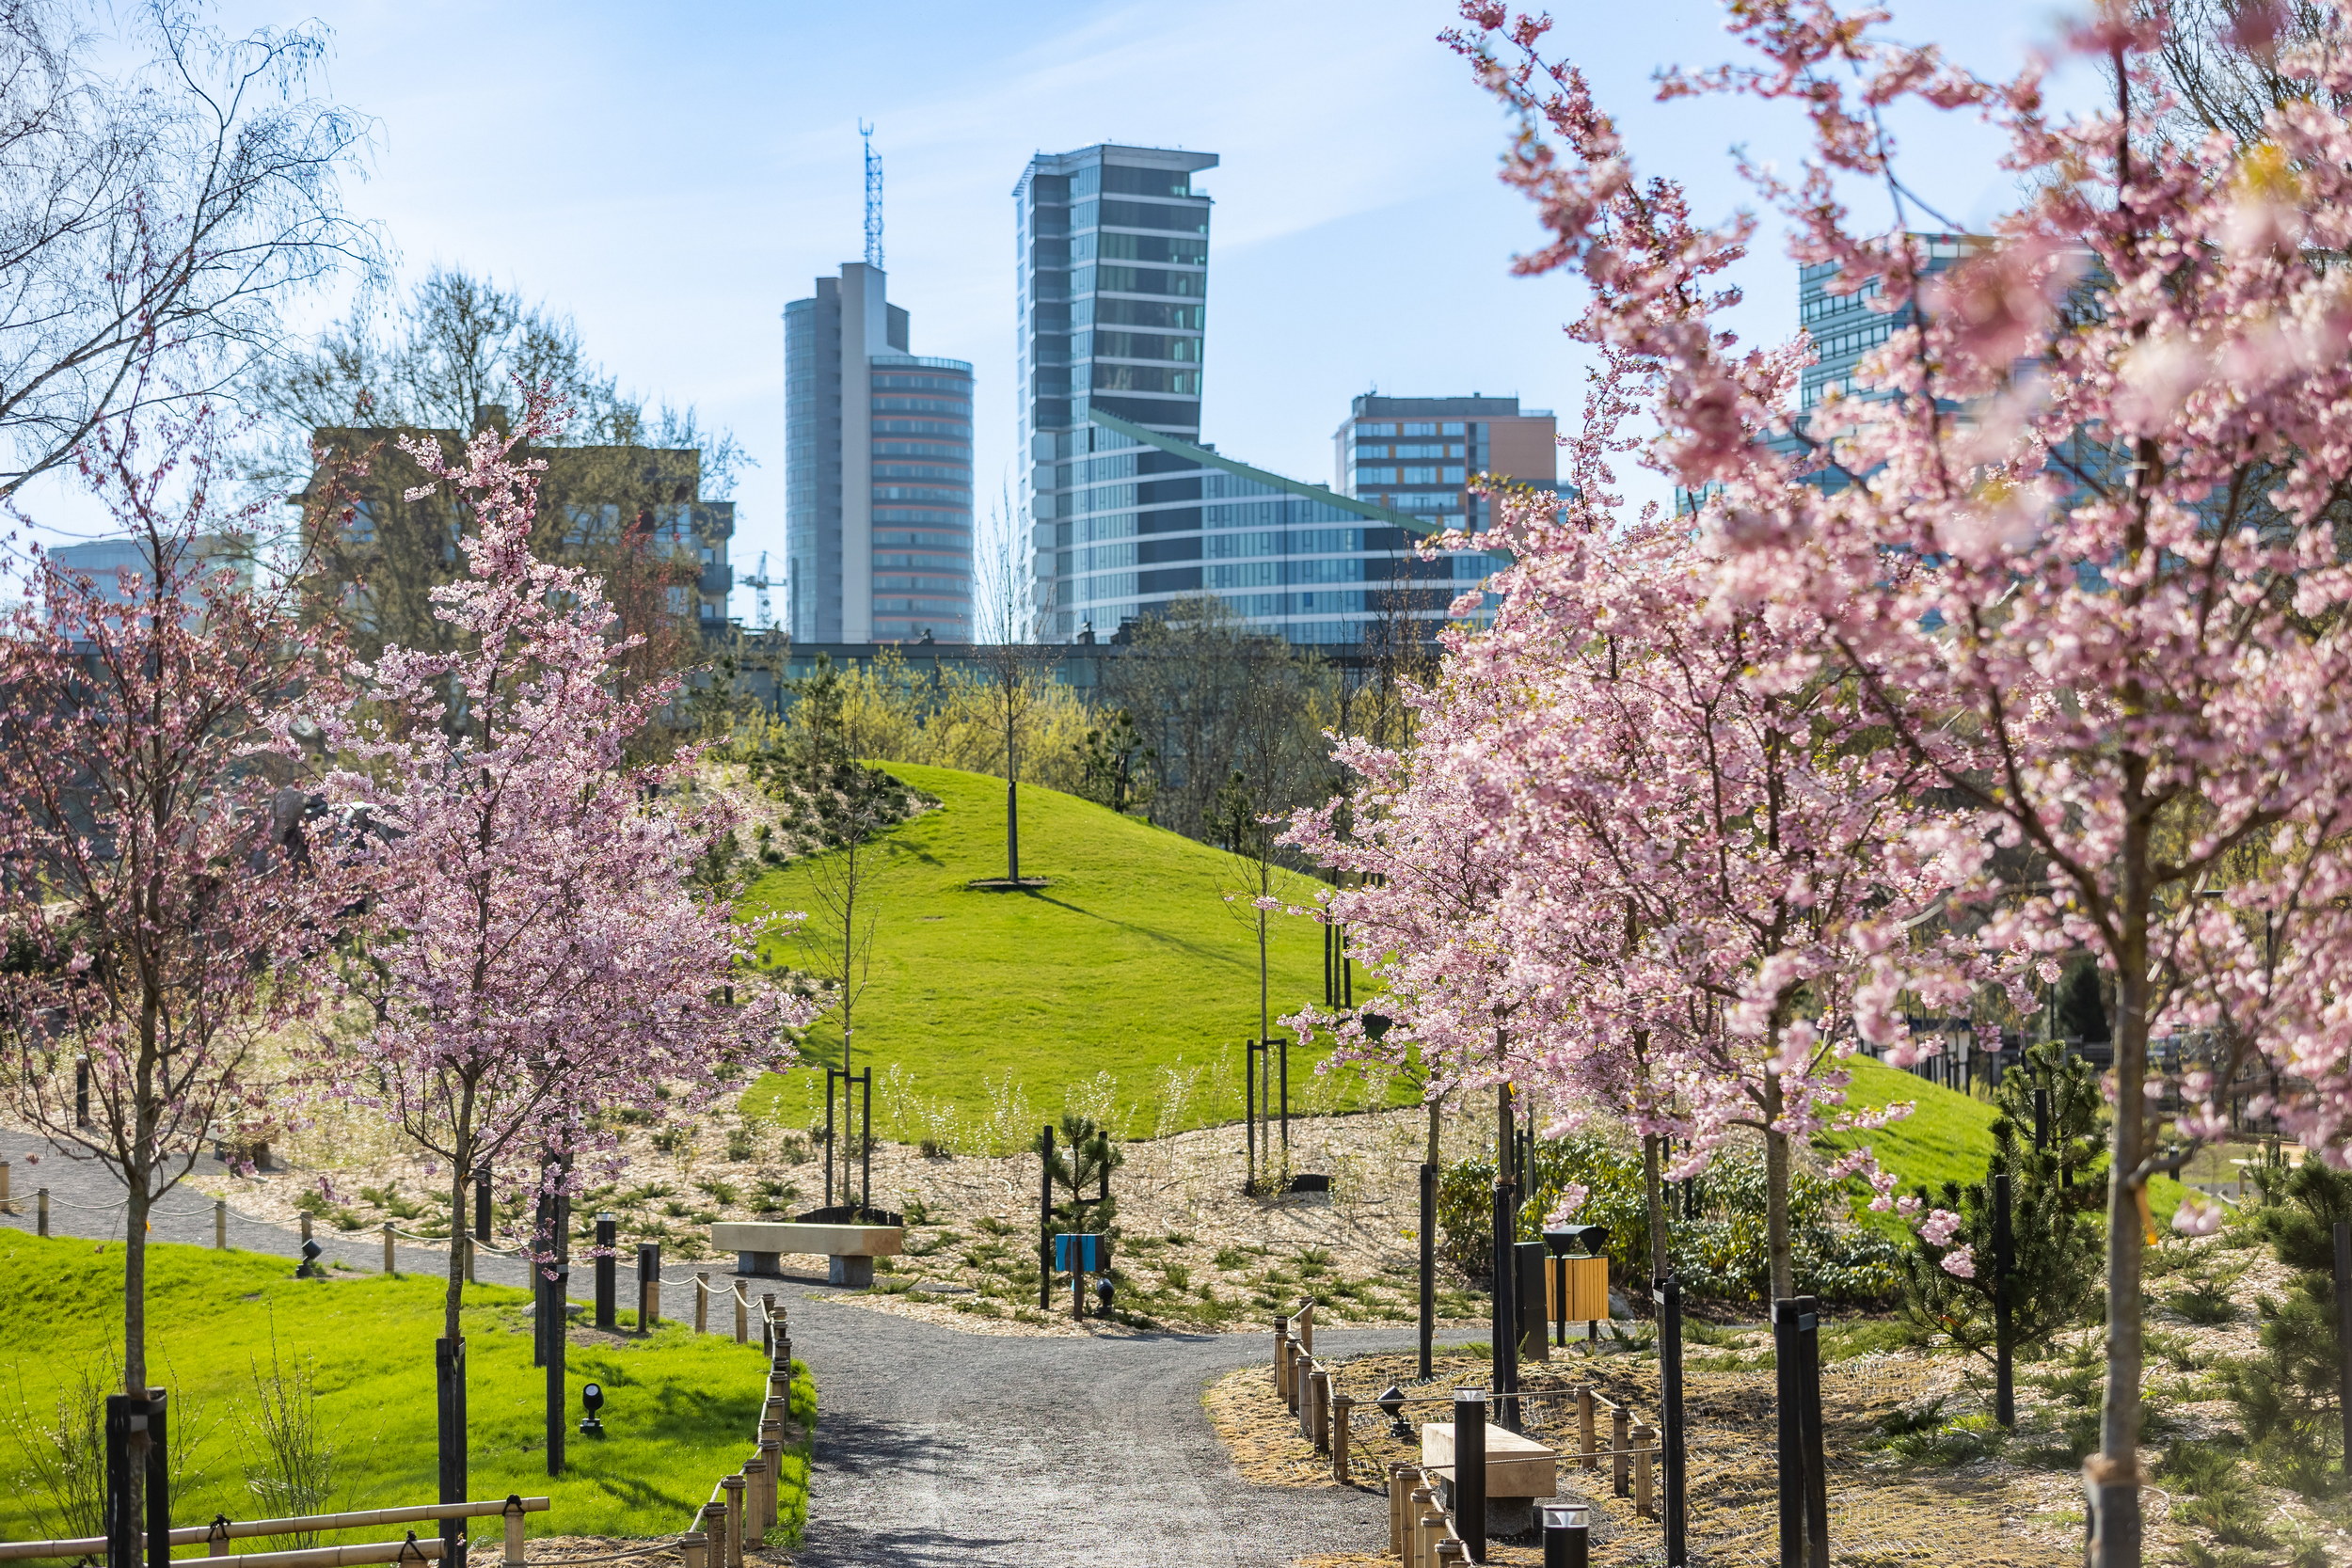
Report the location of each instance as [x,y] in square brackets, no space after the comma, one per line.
[873,200]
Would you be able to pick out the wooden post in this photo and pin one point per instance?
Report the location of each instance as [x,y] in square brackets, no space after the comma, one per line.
[691,1546]
[1343,1412]
[1619,1423]
[1307,1325]
[732,1485]
[1433,1529]
[1584,1425]
[7,1206]
[217,1538]
[1419,1507]
[702,1301]
[514,1517]
[43,1197]
[1398,1492]
[1281,1333]
[1449,1551]
[771,1449]
[742,1318]
[767,1323]
[1644,1437]
[391,1265]
[220,1224]
[756,1500]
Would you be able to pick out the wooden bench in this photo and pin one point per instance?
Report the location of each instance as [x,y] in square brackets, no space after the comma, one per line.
[1519,1472]
[759,1246]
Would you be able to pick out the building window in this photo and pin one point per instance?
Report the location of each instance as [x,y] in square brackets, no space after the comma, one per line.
[1421,429]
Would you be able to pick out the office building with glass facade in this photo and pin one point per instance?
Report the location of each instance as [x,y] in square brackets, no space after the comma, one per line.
[1139,519]
[878,473]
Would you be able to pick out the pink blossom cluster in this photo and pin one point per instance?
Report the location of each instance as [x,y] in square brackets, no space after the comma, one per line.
[2038,642]
[535,960]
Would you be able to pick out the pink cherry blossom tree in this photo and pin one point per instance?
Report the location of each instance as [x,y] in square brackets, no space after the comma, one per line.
[160,896]
[539,961]
[2076,541]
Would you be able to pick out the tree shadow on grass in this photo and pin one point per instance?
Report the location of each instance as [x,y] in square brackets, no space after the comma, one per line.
[1163,939]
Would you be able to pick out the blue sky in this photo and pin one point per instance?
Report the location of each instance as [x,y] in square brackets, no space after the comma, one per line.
[672,175]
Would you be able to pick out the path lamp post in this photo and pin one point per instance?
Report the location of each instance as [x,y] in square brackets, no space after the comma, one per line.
[1391,1404]
[1568,1536]
[1469,1469]
[1558,1240]
[555,1290]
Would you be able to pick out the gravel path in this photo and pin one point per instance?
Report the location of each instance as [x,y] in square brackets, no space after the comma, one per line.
[937,1448]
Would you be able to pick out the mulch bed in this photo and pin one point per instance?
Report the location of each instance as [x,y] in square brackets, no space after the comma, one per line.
[1882,1513]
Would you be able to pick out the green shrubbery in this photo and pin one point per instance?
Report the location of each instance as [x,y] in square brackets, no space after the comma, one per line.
[2286,1394]
[2056,1193]
[1718,1253]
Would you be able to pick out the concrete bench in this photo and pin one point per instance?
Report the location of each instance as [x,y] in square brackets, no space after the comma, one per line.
[759,1245]
[1519,1473]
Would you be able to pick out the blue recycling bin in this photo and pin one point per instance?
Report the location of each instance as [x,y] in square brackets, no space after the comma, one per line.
[1090,1250]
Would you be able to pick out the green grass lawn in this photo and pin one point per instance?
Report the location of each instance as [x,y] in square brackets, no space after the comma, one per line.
[1128,961]
[682,1410]
[1948,1138]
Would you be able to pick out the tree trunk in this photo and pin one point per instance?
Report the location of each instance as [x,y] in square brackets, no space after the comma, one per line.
[135,1343]
[1263,1026]
[1654,1193]
[135,1286]
[1783,1258]
[460,1243]
[2112,1474]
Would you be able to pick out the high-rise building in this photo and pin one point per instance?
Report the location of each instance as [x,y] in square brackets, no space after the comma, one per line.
[878,473]
[1113,290]
[1418,455]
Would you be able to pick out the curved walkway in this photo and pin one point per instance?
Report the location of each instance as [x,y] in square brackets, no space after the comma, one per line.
[936,1449]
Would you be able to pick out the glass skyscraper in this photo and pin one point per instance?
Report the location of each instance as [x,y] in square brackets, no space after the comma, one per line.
[878,479]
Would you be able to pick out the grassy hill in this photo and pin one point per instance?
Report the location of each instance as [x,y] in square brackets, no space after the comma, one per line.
[1130,963]
[680,1407]
[1948,1138]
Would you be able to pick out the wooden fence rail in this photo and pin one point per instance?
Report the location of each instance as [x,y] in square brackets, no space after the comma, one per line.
[221,1532]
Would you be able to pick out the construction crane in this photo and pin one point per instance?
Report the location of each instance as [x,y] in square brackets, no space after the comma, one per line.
[761,619]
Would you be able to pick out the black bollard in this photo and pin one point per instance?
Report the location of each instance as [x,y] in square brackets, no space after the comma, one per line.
[1667,1294]
[558,1290]
[1505,1335]
[1534,1343]
[126,1468]
[158,1479]
[1568,1536]
[2004,1264]
[81,1091]
[608,1271]
[648,1275]
[449,1385]
[1804,1490]
[1045,1223]
[1469,1470]
[2344,1333]
[481,1206]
